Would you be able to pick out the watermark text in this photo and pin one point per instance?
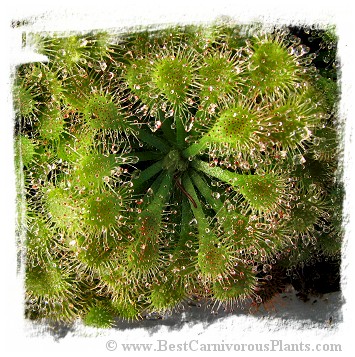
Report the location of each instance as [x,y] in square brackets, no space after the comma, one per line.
[194,345]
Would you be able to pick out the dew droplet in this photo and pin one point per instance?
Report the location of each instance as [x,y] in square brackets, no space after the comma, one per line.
[169,114]
[189,125]
[103,65]
[306,239]
[266,268]
[154,125]
[136,174]
[188,244]
[193,222]
[153,96]
[300,205]
[298,159]
[216,195]
[326,229]
[269,242]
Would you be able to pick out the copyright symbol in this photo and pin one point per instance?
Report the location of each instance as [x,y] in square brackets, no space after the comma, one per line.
[111,345]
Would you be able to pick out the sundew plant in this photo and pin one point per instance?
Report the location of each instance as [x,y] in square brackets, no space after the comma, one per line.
[183,164]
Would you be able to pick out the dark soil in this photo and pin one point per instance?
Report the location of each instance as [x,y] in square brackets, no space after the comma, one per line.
[315,278]
[318,278]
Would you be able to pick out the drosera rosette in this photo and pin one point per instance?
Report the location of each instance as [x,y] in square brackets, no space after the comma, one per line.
[26,97]
[219,79]
[278,64]
[67,53]
[171,165]
[99,316]
[63,207]
[264,193]
[38,242]
[234,290]
[25,150]
[254,237]
[97,103]
[54,283]
[294,119]
[166,295]
[163,77]
[126,309]
[101,113]
[325,147]
[236,129]
[51,124]
[53,291]
[309,212]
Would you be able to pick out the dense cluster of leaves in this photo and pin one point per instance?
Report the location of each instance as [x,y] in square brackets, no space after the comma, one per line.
[157,167]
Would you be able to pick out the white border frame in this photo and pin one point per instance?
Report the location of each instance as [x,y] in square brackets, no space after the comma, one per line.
[83,15]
